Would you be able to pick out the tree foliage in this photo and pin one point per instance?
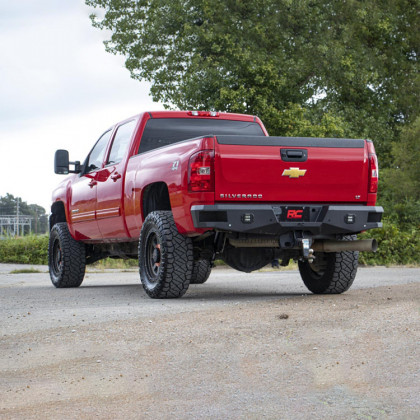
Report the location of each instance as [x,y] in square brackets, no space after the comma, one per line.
[400,184]
[306,68]
[404,177]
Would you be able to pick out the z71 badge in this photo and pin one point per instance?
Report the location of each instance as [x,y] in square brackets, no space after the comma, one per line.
[175,165]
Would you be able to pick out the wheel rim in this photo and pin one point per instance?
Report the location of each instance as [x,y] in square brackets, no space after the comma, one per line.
[319,266]
[57,262]
[153,257]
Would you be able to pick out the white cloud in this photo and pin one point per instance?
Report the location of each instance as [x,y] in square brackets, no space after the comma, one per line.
[57,62]
[58,89]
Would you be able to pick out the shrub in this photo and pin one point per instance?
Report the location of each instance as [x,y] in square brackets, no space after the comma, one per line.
[27,250]
[396,246]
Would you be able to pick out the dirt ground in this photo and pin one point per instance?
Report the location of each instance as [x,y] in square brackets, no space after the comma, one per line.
[105,350]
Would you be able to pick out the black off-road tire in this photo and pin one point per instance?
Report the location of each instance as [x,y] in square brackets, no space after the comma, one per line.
[201,272]
[165,257]
[330,273]
[66,258]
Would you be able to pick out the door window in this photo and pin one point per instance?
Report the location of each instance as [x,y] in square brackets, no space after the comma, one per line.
[121,142]
[96,156]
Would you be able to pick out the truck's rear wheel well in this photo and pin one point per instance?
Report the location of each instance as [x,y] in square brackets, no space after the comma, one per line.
[58,214]
[156,197]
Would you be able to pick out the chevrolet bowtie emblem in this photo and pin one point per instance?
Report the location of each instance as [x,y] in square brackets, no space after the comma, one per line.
[294,172]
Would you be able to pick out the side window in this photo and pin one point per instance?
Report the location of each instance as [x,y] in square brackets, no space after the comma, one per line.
[121,142]
[96,156]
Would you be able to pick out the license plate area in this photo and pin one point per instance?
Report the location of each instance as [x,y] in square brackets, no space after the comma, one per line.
[295,213]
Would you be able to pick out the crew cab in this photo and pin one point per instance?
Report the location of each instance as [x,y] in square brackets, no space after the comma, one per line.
[178,189]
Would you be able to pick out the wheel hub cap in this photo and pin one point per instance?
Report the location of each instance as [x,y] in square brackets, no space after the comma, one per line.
[156,255]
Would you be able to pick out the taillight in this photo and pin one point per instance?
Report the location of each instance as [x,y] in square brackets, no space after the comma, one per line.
[201,172]
[373,168]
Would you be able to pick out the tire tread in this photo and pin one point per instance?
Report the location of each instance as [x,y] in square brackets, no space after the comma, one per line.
[201,272]
[178,262]
[74,258]
[339,275]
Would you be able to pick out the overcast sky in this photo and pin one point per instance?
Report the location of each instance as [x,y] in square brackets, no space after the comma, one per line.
[59,89]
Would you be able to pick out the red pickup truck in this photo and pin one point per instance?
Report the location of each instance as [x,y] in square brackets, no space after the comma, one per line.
[179,189]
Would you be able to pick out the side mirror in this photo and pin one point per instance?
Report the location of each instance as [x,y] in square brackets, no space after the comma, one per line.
[61,163]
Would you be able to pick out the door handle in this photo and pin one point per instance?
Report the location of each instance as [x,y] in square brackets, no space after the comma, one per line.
[115,176]
[92,183]
[294,155]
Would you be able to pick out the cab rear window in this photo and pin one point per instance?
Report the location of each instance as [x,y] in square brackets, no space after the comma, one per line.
[161,132]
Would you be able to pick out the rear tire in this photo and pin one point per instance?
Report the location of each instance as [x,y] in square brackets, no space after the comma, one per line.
[201,272]
[165,257]
[66,258]
[330,273]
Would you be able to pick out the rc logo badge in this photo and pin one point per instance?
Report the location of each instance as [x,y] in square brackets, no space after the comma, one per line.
[294,172]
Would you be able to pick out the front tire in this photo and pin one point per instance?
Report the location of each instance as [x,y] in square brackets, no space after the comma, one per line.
[66,258]
[165,257]
[330,273]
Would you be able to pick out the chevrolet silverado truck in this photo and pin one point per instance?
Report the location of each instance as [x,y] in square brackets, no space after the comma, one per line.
[178,190]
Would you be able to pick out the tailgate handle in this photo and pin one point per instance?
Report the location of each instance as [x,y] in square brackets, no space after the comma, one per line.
[294,155]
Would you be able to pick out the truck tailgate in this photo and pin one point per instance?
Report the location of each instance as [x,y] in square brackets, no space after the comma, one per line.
[290,169]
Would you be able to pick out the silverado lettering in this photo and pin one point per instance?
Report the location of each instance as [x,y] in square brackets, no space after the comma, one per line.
[153,188]
[240,196]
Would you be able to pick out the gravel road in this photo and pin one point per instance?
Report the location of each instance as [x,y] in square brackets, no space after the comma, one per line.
[241,346]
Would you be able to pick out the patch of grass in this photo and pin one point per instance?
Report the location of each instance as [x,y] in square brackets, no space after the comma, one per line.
[25,271]
[115,263]
[291,266]
[26,250]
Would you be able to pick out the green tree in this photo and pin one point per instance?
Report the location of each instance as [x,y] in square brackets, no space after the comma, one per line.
[400,184]
[404,177]
[9,206]
[370,68]
[305,67]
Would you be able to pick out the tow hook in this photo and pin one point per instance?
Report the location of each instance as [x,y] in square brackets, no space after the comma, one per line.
[307,251]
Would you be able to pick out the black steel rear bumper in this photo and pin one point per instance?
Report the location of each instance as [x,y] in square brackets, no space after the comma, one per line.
[268,219]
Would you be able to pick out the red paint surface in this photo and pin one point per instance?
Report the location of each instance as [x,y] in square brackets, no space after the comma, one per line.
[332,175]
